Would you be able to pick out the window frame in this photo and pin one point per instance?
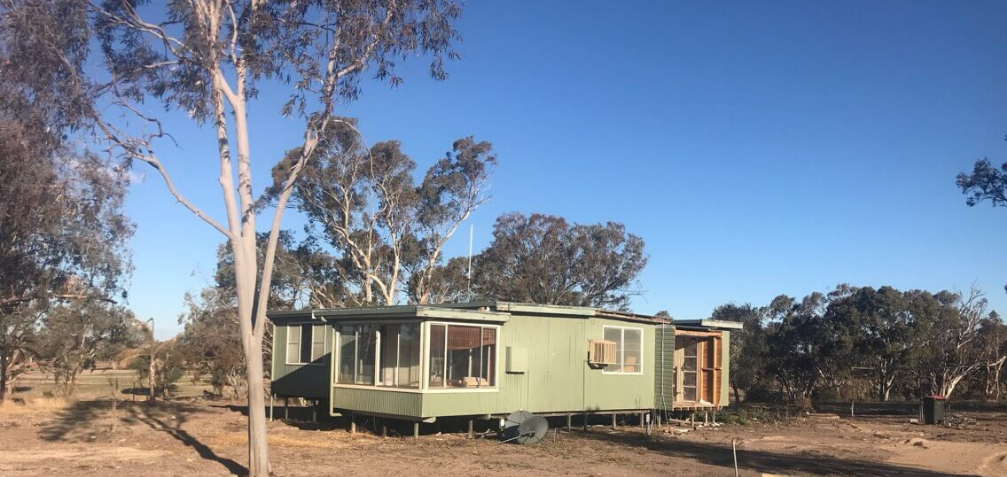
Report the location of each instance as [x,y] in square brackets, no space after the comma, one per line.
[314,327]
[379,361]
[337,357]
[425,359]
[621,349]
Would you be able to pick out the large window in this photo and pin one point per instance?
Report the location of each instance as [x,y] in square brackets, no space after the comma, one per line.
[392,350]
[628,349]
[400,356]
[357,346]
[305,343]
[462,356]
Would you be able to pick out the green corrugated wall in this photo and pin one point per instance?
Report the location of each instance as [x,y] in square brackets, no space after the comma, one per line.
[664,339]
[308,381]
[558,378]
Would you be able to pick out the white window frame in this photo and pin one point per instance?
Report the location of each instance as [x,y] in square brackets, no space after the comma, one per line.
[336,358]
[621,347]
[314,327]
[425,360]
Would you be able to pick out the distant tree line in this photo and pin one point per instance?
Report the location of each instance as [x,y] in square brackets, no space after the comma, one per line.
[867,343]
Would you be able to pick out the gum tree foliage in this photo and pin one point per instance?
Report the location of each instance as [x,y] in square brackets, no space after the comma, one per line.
[448,283]
[791,336]
[950,325]
[388,230]
[883,331]
[543,259]
[169,367]
[748,346]
[986,183]
[867,343]
[992,347]
[77,334]
[210,344]
[208,59]
[63,244]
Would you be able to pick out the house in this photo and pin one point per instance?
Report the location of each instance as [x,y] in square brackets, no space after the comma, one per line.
[488,359]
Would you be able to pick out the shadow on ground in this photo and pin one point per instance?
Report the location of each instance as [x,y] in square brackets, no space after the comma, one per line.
[762,461]
[82,421]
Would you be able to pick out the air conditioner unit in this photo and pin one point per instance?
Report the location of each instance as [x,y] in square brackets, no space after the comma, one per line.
[602,352]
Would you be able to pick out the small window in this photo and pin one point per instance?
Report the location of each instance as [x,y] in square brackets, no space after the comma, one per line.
[305,343]
[629,349]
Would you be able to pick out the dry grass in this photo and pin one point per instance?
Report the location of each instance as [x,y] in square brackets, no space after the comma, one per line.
[18,406]
[300,439]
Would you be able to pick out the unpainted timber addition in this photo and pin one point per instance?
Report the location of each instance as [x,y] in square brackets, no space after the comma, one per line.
[699,366]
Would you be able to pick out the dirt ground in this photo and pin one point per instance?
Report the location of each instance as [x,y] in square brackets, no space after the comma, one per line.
[49,437]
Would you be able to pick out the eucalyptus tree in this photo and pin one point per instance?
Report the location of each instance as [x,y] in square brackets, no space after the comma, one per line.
[950,324]
[748,345]
[209,59]
[986,183]
[63,240]
[884,334]
[543,259]
[389,230]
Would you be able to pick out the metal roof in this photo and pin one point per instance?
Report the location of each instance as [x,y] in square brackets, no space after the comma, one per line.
[710,324]
[497,311]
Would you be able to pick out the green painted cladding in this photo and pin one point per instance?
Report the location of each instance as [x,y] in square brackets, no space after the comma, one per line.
[664,371]
[299,380]
[556,379]
[378,401]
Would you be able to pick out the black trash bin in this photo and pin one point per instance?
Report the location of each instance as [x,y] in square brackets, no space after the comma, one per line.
[933,409]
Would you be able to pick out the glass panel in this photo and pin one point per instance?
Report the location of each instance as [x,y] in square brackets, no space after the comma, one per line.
[708,386]
[389,355]
[632,356]
[293,343]
[409,356]
[689,391]
[691,358]
[615,334]
[489,355]
[437,335]
[317,343]
[347,354]
[305,344]
[464,357]
[366,350]
[690,367]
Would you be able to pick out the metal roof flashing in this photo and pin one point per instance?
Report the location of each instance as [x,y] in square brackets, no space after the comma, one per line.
[488,311]
[710,324]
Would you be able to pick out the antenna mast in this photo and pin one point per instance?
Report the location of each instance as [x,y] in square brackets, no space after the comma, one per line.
[471,233]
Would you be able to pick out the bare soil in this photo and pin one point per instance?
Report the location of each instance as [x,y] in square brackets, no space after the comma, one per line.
[46,437]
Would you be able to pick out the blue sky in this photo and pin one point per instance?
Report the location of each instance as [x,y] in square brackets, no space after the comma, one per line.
[758,148]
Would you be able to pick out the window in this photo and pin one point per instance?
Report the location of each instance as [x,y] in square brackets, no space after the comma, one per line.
[305,343]
[690,370]
[462,356]
[400,356]
[628,349]
[357,346]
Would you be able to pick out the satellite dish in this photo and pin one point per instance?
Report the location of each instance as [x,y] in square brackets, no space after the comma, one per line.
[524,428]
